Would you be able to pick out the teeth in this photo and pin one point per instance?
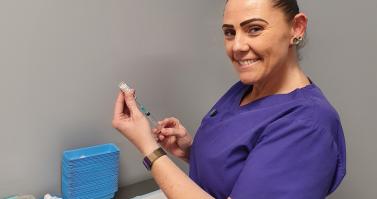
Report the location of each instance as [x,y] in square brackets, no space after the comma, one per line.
[247,62]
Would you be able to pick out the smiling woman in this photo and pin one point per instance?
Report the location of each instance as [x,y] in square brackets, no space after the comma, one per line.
[259,40]
[272,135]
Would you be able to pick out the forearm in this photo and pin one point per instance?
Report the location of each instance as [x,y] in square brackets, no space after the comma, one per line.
[174,182]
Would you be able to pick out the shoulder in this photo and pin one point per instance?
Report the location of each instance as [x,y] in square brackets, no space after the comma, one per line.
[310,105]
[306,110]
[311,114]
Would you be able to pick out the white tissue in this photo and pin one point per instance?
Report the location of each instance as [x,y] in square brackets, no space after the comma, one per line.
[48,196]
[158,194]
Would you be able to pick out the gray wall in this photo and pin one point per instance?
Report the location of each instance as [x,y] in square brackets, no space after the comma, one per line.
[341,58]
[62,60]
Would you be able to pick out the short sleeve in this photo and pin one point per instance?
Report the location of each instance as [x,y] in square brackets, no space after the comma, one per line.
[293,159]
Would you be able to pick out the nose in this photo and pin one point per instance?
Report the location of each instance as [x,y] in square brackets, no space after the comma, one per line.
[240,44]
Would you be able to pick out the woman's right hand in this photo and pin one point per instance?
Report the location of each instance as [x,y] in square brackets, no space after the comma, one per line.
[173,137]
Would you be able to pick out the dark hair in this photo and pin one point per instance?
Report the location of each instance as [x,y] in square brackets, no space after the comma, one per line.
[289,7]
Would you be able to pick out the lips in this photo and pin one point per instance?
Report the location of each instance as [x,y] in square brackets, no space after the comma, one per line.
[246,63]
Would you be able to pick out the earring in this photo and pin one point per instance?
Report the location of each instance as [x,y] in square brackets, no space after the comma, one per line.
[297,40]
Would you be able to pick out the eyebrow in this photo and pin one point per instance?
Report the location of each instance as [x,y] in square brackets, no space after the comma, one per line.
[245,22]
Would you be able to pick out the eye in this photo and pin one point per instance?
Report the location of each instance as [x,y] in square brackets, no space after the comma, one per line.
[229,33]
[254,30]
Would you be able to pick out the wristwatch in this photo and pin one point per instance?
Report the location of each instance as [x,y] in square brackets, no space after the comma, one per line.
[149,159]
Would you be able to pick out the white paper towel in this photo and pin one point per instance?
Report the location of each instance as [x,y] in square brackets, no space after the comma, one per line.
[158,194]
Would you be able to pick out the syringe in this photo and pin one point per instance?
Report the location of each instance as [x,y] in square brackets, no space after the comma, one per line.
[124,87]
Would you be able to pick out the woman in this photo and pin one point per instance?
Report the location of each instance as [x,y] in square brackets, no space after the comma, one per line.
[272,135]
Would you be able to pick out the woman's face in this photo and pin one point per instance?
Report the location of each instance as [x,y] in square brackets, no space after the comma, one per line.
[257,39]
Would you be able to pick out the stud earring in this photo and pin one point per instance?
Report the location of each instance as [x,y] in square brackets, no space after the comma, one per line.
[297,40]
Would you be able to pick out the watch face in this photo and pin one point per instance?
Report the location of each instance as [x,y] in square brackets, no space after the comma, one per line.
[147,163]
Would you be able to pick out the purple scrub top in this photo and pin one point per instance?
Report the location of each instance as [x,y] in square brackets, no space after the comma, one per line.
[284,146]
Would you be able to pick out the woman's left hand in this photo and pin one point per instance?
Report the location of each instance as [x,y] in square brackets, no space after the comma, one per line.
[131,122]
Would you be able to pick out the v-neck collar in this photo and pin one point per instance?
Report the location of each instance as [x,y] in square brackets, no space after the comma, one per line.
[267,100]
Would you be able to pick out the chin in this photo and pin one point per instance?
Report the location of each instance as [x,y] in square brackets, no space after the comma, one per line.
[247,79]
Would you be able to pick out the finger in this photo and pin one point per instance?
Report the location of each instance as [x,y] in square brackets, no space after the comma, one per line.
[156,131]
[170,132]
[119,104]
[159,126]
[162,139]
[155,138]
[175,120]
[165,142]
[171,140]
[169,122]
[160,123]
[164,121]
[129,98]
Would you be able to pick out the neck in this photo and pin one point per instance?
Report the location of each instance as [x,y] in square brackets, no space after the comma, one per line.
[285,79]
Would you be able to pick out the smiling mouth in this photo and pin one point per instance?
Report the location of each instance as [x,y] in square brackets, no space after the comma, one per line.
[247,62]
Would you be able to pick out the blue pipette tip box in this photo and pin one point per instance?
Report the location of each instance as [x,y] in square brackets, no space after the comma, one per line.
[90,172]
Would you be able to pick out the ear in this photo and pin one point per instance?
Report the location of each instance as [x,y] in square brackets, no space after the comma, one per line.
[299,24]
